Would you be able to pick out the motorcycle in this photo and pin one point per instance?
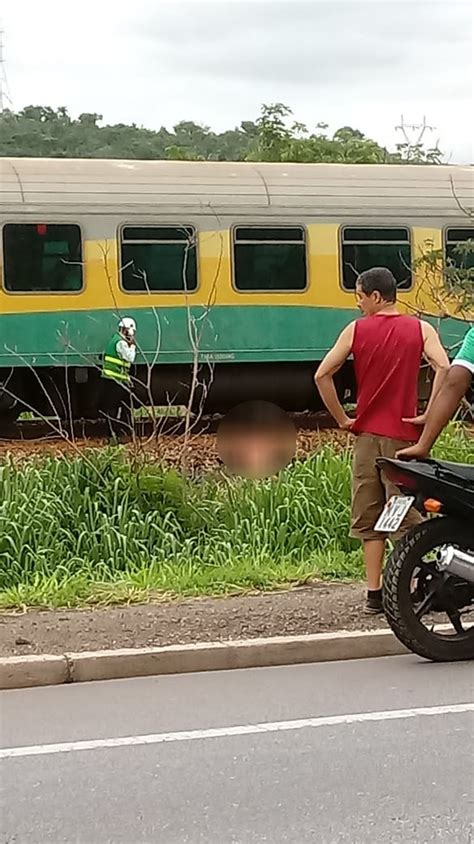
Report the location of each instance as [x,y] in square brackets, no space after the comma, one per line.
[430,572]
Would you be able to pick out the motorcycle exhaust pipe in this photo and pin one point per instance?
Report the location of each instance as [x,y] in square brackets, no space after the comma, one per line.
[457,562]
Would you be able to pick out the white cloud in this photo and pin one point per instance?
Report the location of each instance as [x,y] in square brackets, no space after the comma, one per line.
[155,62]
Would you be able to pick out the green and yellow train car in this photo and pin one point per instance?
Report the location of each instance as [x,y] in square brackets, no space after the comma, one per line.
[242,273]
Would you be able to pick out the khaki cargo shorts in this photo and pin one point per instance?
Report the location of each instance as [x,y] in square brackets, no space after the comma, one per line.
[371,489]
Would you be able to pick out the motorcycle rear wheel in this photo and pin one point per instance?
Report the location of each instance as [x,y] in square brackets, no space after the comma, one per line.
[406,560]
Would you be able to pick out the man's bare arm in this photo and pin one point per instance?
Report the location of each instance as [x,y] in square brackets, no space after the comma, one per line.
[435,353]
[325,376]
[453,389]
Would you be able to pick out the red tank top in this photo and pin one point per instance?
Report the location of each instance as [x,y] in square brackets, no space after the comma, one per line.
[387,351]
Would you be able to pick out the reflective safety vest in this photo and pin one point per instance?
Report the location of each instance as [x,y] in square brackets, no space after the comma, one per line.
[113,366]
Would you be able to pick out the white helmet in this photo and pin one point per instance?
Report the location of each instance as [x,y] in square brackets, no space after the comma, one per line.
[128,324]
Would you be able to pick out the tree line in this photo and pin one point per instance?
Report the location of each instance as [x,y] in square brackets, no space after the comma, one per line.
[42,131]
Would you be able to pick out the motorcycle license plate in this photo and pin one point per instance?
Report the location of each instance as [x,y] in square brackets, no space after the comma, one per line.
[393,514]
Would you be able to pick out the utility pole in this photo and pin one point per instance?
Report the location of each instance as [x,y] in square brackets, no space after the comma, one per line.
[413,134]
[408,131]
[5,98]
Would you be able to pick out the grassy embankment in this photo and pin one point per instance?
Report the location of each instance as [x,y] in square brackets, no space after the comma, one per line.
[94,530]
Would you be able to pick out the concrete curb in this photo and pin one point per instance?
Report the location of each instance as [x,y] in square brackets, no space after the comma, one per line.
[19,672]
[27,671]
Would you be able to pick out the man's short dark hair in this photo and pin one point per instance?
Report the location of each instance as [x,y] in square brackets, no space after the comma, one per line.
[379,279]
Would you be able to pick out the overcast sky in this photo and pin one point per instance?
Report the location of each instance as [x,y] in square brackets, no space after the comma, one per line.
[154,62]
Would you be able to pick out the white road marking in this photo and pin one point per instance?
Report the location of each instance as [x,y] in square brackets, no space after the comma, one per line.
[241,730]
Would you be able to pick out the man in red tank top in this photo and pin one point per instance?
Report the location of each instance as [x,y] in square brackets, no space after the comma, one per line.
[387,349]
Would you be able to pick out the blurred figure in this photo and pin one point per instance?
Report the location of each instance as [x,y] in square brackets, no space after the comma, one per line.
[256,439]
[116,398]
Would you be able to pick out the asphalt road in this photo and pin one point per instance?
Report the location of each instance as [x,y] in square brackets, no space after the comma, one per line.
[363,751]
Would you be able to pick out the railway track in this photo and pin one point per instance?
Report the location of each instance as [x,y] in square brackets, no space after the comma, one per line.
[54,429]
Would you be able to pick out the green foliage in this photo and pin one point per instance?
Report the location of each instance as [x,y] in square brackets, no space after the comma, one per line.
[455,445]
[456,295]
[41,131]
[95,529]
[278,141]
[459,276]
[416,154]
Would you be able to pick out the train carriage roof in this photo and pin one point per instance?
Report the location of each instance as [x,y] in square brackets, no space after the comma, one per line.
[108,185]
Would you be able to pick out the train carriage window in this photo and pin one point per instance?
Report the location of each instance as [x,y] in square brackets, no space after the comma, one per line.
[269,259]
[42,258]
[364,248]
[158,258]
[459,248]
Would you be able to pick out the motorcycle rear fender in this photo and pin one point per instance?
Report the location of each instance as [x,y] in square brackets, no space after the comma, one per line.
[457,499]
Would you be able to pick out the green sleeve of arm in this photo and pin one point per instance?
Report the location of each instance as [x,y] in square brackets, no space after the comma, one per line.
[466,352]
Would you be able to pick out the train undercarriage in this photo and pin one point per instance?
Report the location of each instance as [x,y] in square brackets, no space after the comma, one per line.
[73,394]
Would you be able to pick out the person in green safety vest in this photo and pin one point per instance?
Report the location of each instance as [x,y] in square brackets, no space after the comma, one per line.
[116,403]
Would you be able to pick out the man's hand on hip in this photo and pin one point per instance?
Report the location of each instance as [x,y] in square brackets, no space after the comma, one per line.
[346,423]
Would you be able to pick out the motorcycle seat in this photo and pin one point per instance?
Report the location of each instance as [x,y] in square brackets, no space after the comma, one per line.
[464,470]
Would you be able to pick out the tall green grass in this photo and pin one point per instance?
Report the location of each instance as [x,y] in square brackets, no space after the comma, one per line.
[94,530]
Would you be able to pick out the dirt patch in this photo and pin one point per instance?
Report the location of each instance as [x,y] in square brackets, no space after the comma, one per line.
[318,608]
[200,450]
[197,454]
